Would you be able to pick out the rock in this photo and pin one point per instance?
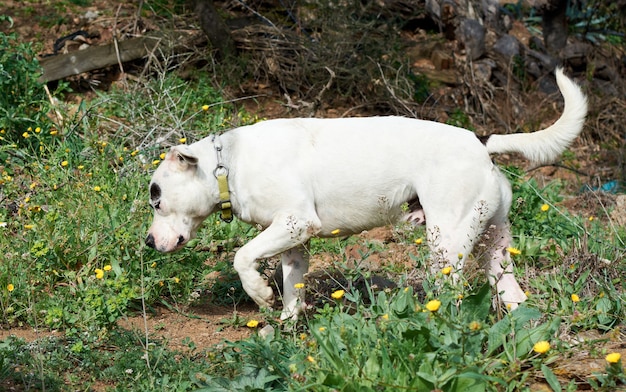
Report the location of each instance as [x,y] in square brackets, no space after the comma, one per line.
[507,46]
[266,331]
[483,70]
[618,215]
[472,34]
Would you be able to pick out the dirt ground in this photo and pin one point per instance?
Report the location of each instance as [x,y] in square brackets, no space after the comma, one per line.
[208,325]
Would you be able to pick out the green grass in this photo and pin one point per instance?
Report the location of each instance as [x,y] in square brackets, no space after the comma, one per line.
[74,212]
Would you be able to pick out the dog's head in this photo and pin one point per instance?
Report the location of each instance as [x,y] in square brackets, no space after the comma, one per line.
[182,197]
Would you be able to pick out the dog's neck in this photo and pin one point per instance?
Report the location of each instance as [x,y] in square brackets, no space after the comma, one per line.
[221,174]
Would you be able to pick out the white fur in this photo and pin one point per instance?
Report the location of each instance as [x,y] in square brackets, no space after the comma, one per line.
[300,178]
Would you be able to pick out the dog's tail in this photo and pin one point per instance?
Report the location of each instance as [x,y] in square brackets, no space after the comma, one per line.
[547,145]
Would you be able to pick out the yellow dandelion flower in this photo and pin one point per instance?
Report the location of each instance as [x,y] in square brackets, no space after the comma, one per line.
[303,336]
[298,286]
[513,251]
[64,163]
[97,188]
[135,152]
[81,167]
[541,347]
[26,135]
[338,294]
[176,279]
[252,324]
[54,132]
[321,329]
[575,298]
[205,107]
[162,155]
[545,207]
[10,287]
[335,232]
[418,241]
[433,305]
[611,358]
[182,140]
[29,227]
[310,359]
[446,270]
[156,162]
[385,316]
[459,297]
[37,130]
[107,267]
[153,265]
[33,185]
[99,273]
[591,218]
[460,256]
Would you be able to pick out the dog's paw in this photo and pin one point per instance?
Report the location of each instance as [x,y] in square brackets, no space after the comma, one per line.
[264,297]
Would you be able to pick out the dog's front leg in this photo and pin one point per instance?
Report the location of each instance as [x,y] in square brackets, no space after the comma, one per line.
[295,263]
[286,232]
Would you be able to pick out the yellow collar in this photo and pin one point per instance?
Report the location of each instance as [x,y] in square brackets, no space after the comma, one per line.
[221,173]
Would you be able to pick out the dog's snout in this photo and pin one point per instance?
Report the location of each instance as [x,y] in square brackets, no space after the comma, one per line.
[150,241]
[181,239]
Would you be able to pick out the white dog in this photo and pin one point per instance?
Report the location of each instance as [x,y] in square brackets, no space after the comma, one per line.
[306,177]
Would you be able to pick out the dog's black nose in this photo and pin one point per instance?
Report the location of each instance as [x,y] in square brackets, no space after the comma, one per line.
[150,241]
[181,239]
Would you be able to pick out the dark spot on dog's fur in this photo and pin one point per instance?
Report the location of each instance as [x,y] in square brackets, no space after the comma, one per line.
[504,252]
[155,192]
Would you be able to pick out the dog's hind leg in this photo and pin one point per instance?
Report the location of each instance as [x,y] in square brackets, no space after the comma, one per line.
[295,263]
[499,266]
[286,232]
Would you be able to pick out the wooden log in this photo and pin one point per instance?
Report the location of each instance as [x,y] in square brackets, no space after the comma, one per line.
[96,57]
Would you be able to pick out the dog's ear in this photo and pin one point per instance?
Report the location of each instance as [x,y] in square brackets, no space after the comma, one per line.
[182,157]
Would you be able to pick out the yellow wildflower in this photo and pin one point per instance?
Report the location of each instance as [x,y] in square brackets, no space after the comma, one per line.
[433,305]
[10,287]
[513,251]
[575,298]
[299,285]
[385,316]
[613,357]
[183,140]
[474,326]
[99,273]
[322,329]
[205,107]
[29,227]
[156,162]
[176,279]
[97,188]
[53,132]
[162,155]
[338,294]
[107,267]
[37,130]
[64,163]
[310,359]
[252,324]
[418,241]
[446,270]
[460,256]
[335,232]
[545,207]
[541,347]
[591,218]
[26,135]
